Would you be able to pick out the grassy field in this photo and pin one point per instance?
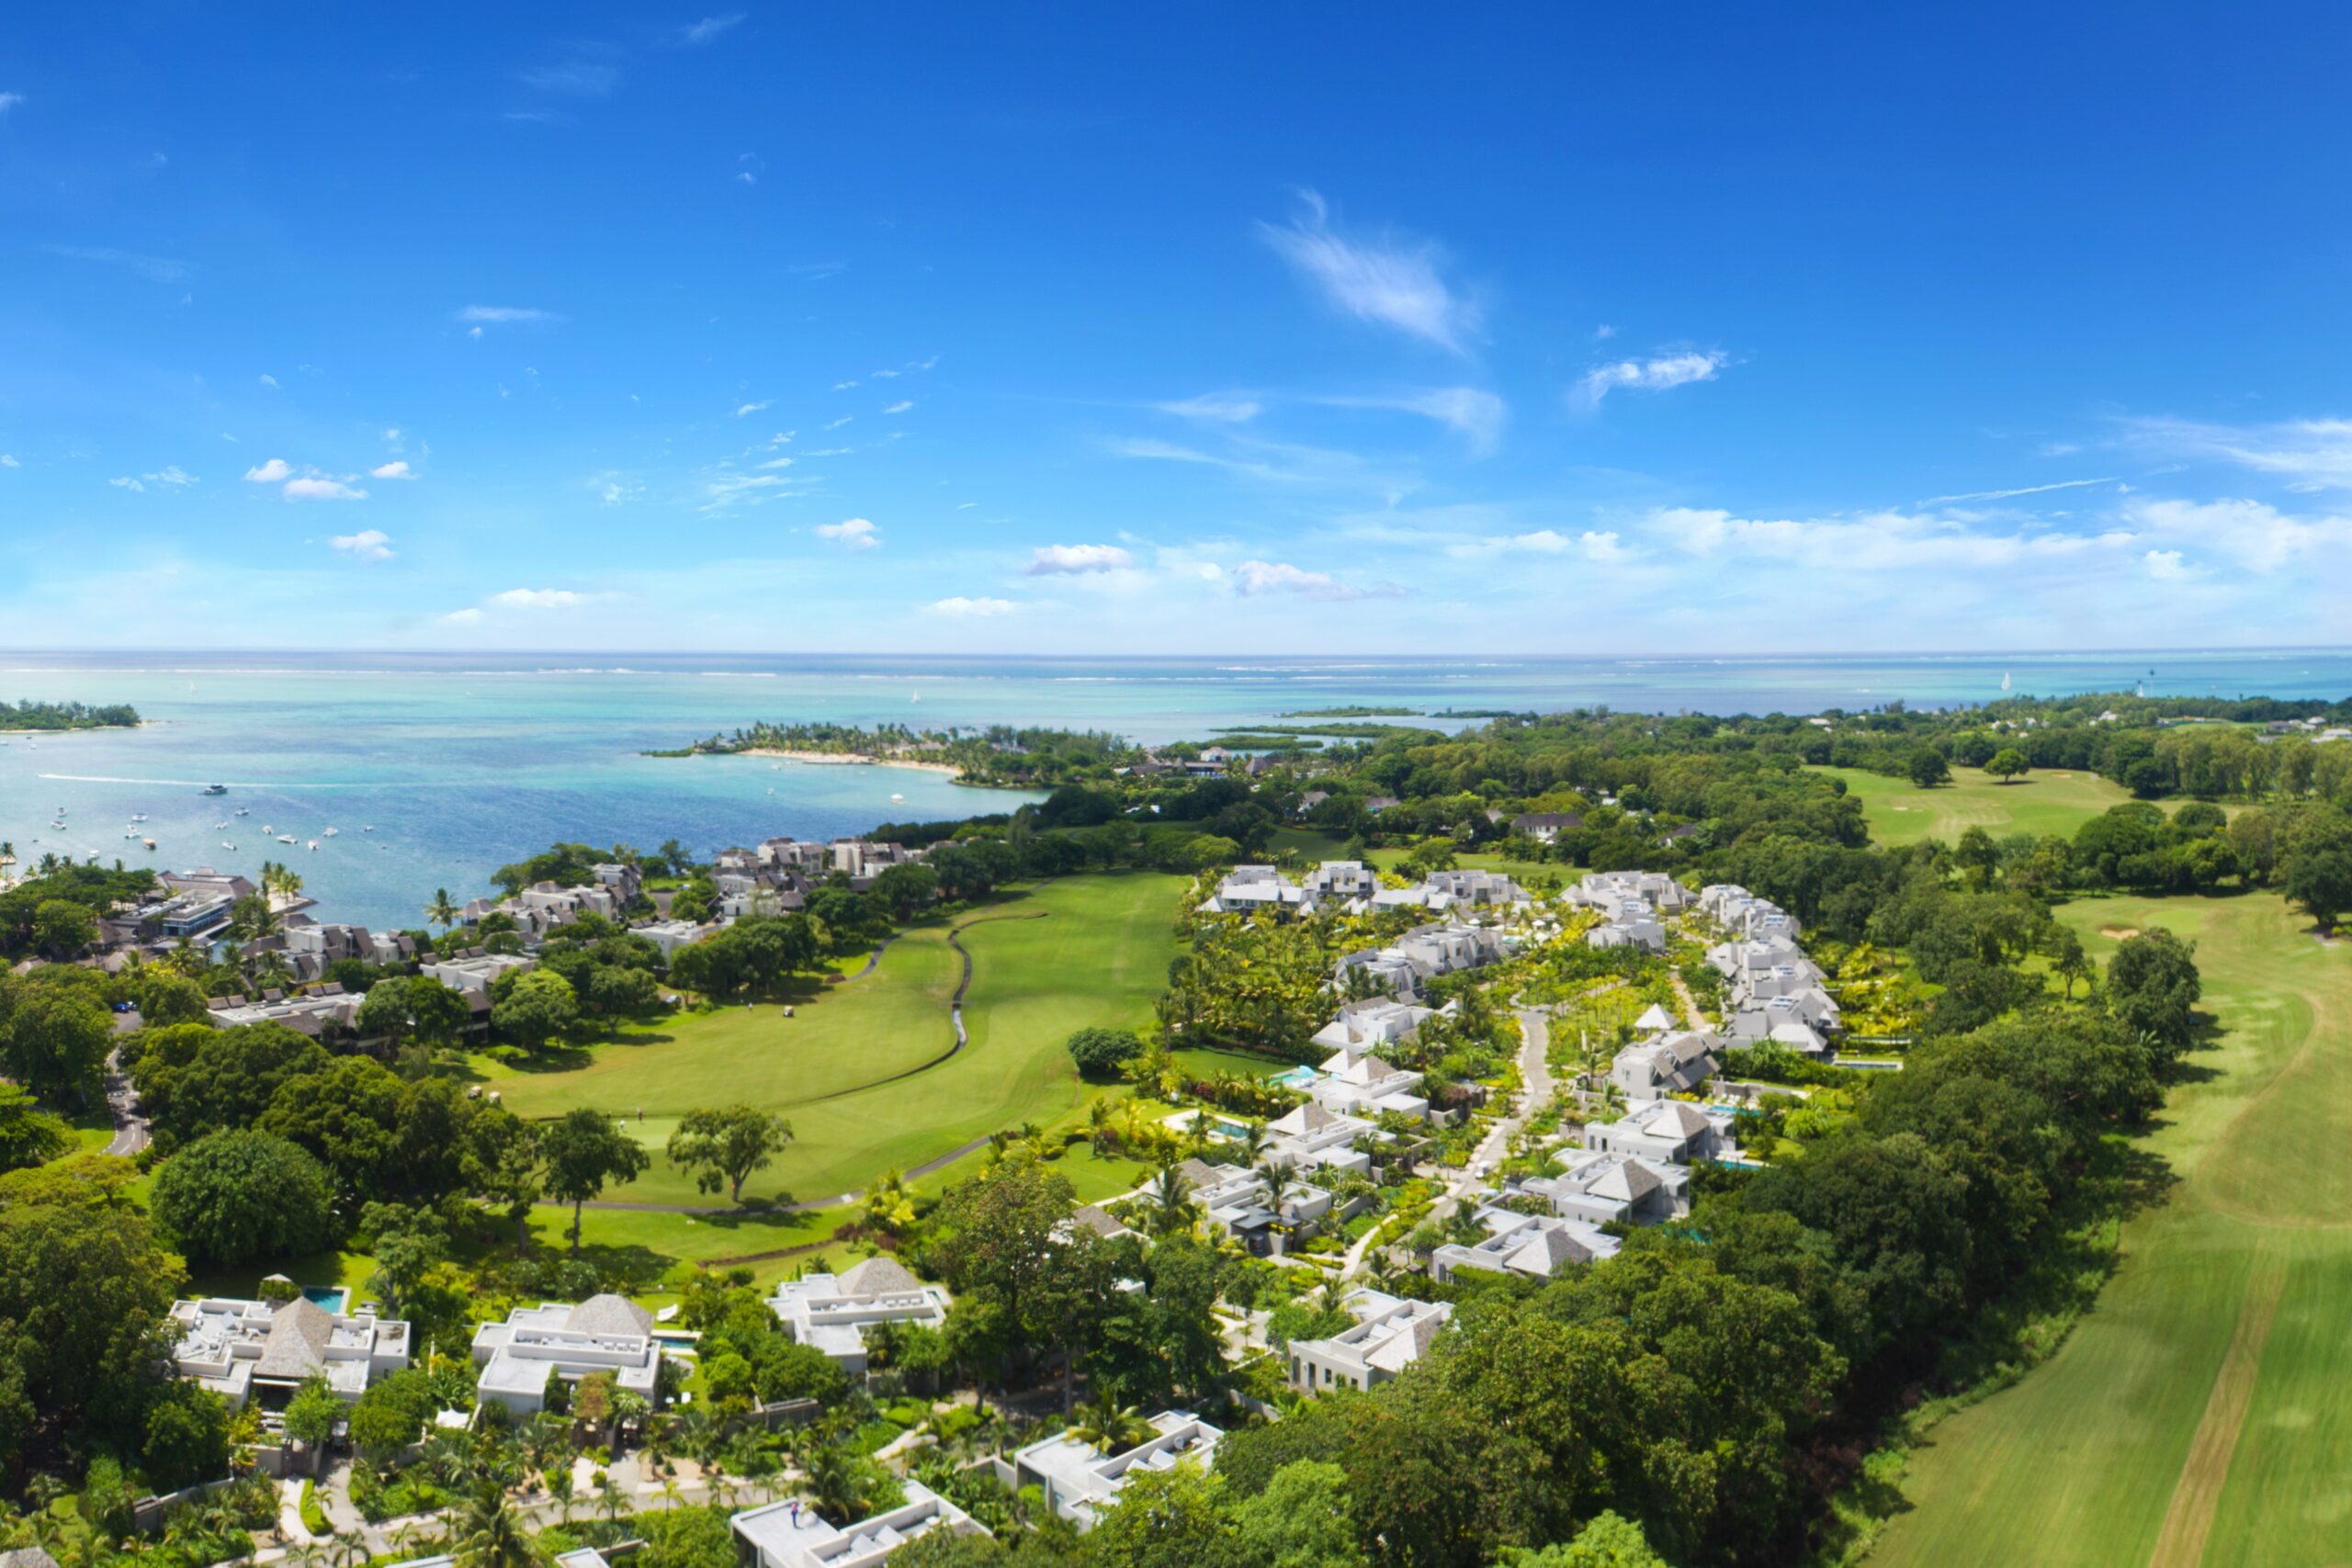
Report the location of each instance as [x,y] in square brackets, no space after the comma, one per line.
[1312,847]
[1902,813]
[1085,950]
[2197,1415]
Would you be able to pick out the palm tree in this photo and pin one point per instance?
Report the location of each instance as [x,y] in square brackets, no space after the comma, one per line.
[442,910]
[491,1534]
[1108,1425]
[833,1482]
[1098,1123]
[271,969]
[1172,1201]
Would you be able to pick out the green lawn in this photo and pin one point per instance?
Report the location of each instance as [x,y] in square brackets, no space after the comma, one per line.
[1312,847]
[1902,813]
[2197,1414]
[1085,950]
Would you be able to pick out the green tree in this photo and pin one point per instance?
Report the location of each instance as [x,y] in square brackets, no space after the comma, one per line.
[393,1412]
[1303,1518]
[1979,856]
[2320,879]
[725,1146]
[2008,764]
[30,1136]
[240,1195]
[2153,988]
[489,1533]
[406,1243]
[186,1437]
[535,1007]
[582,1152]
[443,911]
[1100,1052]
[1169,1518]
[402,1007]
[54,1040]
[1610,1540]
[1927,768]
[62,929]
[311,1417]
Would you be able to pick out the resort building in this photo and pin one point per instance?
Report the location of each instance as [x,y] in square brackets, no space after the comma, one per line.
[1602,1188]
[1365,1026]
[264,1350]
[1078,1481]
[1668,1132]
[1309,1136]
[315,1012]
[1533,1246]
[833,1312]
[790,1534]
[1389,1334]
[1368,1085]
[1254,889]
[1674,1063]
[603,1334]
[470,974]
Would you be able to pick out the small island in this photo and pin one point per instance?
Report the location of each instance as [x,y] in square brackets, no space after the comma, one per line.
[45,718]
[996,756]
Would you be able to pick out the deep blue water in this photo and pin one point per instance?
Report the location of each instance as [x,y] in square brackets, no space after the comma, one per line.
[462,762]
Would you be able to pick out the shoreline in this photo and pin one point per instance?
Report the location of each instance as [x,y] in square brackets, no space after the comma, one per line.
[848,760]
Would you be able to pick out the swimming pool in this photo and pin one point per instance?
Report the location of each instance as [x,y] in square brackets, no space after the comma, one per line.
[1296,1078]
[333,1298]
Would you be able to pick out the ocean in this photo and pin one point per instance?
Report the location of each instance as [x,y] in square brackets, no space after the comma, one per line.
[436,769]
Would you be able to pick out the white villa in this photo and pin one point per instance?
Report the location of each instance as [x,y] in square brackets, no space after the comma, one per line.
[1389,1334]
[1310,1135]
[603,1334]
[470,974]
[1673,1063]
[245,1350]
[790,1534]
[1535,1245]
[832,1312]
[1613,891]
[1774,992]
[1250,889]
[1422,954]
[1601,1187]
[1079,1481]
[1368,1025]
[1671,1132]
[1368,1085]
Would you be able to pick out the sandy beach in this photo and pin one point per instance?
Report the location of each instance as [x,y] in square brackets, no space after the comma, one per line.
[851,759]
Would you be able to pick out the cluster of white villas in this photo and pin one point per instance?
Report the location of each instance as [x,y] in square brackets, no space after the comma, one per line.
[1775,992]
[1632,905]
[1353,888]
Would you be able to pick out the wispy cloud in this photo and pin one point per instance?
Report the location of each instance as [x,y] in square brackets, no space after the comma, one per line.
[8,460]
[1873,542]
[961,607]
[696,34]
[9,101]
[836,424]
[172,477]
[1593,545]
[851,532]
[1223,408]
[2011,494]
[1389,279]
[2307,454]
[573,78]
[900,407]
[1078,561]
[1474,414]
[843,386]
[126,482]
[505,315]
[275,471]
[2165,565]
[729,490]
[268,380]
[1655,375]
[753,407]
[368,545]
[155,269]
[538,598]
[397,469]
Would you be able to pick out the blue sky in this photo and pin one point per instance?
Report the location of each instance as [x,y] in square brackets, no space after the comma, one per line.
[1218,329]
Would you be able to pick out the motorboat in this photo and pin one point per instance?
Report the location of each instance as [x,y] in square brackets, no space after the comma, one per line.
[215,789]
[329,833]
[284,838]
[139,817]
[314,846]
[244,811]
[227,845]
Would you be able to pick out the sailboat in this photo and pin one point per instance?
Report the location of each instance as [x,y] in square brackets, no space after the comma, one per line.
[2005,680]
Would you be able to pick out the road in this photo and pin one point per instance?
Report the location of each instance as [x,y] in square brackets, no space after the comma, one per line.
[129,1127]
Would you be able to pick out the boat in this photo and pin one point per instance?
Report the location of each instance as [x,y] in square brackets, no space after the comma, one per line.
[267,828]
[284,838]
[214,789]
[244,811]
[2005,680]
[329,833]
[139,817]
[146,843]
[220,826]
[227,845]
[314,846]
[896,799]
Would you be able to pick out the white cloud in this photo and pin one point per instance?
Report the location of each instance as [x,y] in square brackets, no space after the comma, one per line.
[1390,280]
[505,314]
[270,473]
[1603,333]
[172,476]
[396,469]
[1655,375]
[2165,565]
[1224,408]
[752,408]
[321,487]
[885,375]
[1594,545]
[836,424]
[368,545]
[853,532]
[393,432]
[1255,577]
[9,101]
[155,269]
[464,617]
[727,491]
[538,598]
[900,407]
[961,607]
[1050,560]
[2257,537]
[126,482]
[777,463]
[269,380]
[1883,541]
[8,460]
[843,386]
[709,28]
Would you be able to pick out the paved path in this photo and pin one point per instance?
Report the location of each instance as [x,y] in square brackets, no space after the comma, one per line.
[954,1018]
[129,1128]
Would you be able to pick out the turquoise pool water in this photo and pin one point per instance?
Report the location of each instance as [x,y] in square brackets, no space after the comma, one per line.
[333,1298]
[1297,1077]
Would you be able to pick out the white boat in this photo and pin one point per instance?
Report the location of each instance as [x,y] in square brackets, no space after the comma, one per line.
[2005,680]
[244,811]
[314,846]
[227,845]
[264,827]
[220,826]
[369,828]
[147,843]
[139,817]
[284,838]
[896,798]
[329,833]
